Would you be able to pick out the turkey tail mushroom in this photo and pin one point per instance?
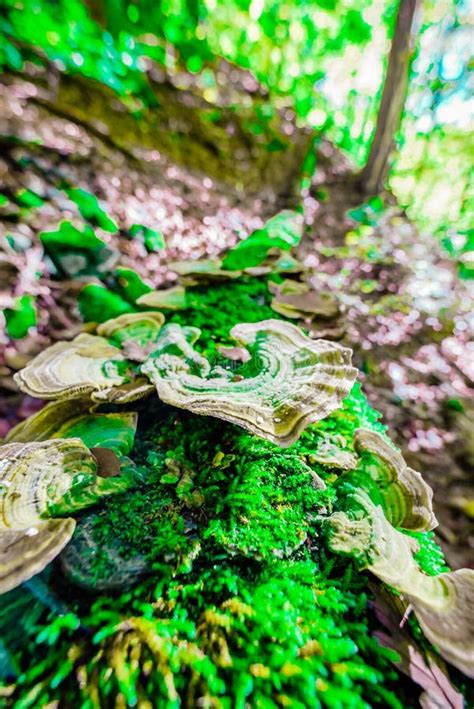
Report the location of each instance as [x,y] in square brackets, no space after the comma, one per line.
[290,382]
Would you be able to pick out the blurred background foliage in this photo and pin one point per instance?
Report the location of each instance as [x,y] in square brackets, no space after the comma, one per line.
[328,57]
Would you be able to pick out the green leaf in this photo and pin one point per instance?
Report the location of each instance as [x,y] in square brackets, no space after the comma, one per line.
[283,231]
[169,479]
[74,252]
[129,284]
[69,237]
[98,304]
[28,198]
[369,213]
[153,240]
[21,317]
[89,208]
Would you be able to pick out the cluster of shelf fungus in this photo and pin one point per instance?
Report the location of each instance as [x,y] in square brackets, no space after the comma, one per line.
[71,453]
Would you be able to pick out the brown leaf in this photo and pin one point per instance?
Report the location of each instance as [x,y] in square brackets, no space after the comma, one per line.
[108,463]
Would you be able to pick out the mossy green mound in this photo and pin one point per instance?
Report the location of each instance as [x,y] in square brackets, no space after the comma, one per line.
[211,583]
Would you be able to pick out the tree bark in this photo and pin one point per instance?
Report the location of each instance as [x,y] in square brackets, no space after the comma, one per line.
[373,174]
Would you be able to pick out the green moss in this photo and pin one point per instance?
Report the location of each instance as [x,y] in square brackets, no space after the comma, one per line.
[216,310]
[429,556]
[236,601]
[238,576]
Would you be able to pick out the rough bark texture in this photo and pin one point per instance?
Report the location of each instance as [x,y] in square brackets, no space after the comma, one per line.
[393,98]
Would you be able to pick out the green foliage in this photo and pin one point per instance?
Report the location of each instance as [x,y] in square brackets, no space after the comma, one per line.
[283,231]
[21,317]
[419,180]
[326,59]
[460,246]
[90,209]
[218,305]
[76,252]
[429,555]
[68,237]
[153,240]
[98,304]
[28,198]
[368,214]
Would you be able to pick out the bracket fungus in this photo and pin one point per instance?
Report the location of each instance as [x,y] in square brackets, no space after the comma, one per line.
[443,604]
[296,300]
[318,311]
[33,477]
[202,271]
[331,453]
[26,552]
[407,498]
[39,480]
[290,382]
[93,365]
[377,499]
[142,328]
[86,365]
[174,298]
[75,418]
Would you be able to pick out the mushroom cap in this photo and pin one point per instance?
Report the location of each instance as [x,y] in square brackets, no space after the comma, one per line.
[86,365]
[24,554]
[33,478]
[289,382]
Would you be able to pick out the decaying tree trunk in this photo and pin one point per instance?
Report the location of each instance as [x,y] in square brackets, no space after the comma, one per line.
[393,98]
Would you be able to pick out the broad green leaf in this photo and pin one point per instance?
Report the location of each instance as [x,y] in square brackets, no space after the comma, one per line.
[89,208]
[76,253]
[283,231]
[130,285]
[98,304]
[69,237]
[21,317]
[28,198]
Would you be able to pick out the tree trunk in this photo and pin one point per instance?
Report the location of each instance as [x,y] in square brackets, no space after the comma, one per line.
[393,99]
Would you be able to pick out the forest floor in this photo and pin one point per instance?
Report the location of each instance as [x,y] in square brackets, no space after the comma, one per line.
[400,303]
